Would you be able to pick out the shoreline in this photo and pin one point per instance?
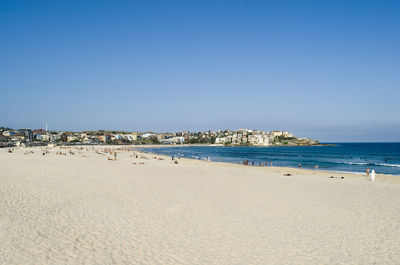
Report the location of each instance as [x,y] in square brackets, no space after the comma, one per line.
[279,167]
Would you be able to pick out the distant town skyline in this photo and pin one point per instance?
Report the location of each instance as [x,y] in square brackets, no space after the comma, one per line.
[328,70]
[243,137]
[158,131]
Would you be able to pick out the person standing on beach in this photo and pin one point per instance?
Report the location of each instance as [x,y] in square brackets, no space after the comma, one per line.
[299,164]
[373,175]
[367,171]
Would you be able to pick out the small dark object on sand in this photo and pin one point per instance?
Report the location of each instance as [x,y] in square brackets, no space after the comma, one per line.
[332,177]
[287,174]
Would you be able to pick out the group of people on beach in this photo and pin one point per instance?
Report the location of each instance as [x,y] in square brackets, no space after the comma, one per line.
[247,163]
[265,164]
[113,152]
[370,173]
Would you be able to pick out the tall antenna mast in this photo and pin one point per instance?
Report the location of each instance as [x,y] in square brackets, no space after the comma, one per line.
[46,126]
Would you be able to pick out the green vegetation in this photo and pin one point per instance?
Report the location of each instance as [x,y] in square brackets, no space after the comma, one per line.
[202,140]
[280,139]
[146,141]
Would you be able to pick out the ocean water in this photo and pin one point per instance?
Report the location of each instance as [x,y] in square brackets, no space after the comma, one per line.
[344,157]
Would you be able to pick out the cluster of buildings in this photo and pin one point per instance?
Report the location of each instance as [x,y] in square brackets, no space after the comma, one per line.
[252,137]
[15,137]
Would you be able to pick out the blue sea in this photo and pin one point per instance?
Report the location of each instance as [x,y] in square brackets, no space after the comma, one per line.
[343,157]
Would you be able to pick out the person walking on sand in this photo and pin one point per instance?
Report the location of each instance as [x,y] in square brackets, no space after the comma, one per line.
[367,171]
[299,164]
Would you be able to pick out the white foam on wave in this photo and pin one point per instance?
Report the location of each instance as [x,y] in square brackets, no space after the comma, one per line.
[356,163]
[388,165]
[372,164]
[345,172]
[355,172]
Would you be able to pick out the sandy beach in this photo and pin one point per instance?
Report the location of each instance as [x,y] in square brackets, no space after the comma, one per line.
[79,207]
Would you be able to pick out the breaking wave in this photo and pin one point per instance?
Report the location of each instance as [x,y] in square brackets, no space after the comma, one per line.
[372,164]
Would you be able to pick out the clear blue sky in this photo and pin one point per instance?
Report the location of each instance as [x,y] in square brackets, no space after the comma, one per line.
[324,69]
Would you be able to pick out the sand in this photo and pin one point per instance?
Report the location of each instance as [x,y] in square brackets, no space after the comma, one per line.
[84,209]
